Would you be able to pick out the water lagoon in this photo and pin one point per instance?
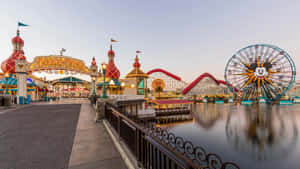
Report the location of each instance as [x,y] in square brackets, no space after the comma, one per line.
[255,137]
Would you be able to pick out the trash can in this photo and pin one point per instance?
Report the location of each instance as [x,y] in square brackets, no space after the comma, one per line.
[15,100]
[7,100]
[28,99]
[21,100]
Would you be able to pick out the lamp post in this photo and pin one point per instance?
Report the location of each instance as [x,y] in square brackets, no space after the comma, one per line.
[94,91]
[103,66]
[6,75]
[123,87]
[111,83]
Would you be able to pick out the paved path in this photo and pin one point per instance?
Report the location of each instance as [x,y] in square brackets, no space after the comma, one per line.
[56,135]
[93,148]
[37,136]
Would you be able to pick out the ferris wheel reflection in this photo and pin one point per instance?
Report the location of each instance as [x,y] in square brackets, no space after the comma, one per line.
[264,132]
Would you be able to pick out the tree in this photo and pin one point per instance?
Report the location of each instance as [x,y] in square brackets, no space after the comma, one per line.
[158,89]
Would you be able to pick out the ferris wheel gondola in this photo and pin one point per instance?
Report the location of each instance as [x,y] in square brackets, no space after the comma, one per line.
[260,70]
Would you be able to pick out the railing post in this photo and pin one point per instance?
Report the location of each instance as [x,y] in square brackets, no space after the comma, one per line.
[137,145]
[119,126]
[105,111]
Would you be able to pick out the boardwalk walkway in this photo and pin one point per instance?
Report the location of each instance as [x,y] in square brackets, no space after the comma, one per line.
[57,135]
[37,136]
[93,148]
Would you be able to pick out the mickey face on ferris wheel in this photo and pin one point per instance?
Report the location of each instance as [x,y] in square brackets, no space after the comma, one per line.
[260,72]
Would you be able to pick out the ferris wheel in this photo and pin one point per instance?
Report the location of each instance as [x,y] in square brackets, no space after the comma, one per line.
[260,70]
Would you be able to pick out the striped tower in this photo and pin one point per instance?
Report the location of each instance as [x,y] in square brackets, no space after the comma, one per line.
[112,71]
[93,70]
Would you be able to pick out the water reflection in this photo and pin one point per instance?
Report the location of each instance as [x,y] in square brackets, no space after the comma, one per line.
[209,115]
[263,131]
[255,137]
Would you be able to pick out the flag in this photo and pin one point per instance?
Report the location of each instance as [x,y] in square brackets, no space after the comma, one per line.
[112,40]
[138,51]
[62,51]
[22,24]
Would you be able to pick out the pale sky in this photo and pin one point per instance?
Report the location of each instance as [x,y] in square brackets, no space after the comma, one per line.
[184,37]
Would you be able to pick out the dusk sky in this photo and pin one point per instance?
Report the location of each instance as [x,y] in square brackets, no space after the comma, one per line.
[184,37]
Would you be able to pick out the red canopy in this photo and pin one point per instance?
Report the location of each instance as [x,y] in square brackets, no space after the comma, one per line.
[46,90]
[173,101]
[42,89]
[75,89]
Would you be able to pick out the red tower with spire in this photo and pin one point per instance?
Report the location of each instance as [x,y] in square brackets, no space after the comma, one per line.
[94,62]
[136,63]
[112,71]
[8,65]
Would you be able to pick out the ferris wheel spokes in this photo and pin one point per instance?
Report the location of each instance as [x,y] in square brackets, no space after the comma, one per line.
[260,70]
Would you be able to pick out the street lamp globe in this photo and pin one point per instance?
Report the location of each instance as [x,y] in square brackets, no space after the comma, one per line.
[111,83]
[104,66]
[6,75]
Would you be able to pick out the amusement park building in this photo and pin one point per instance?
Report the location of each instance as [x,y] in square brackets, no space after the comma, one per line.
[135,82]
[137,78]
[36,87]
[172,82]
[206,85]
[70,87]
[112,82]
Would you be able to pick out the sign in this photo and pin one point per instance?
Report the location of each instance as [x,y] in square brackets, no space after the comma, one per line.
[158,83]
[54,62]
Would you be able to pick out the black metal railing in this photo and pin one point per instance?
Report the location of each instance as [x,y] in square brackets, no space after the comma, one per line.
[156,148]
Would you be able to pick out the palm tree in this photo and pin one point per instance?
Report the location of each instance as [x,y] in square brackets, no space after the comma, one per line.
[158,89]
